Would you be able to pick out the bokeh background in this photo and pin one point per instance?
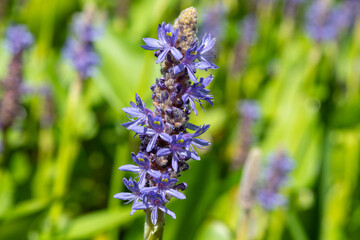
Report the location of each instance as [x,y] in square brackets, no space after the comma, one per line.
[297,62]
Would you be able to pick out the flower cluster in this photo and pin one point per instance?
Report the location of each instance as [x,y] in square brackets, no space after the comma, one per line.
[168,139]
[325,22]
[79,47]
[275,176]
[18,39]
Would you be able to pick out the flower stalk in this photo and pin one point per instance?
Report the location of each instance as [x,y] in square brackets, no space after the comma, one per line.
[151,231]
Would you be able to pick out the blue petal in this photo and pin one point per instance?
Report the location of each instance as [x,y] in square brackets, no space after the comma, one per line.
[154,215]
[152,143]
[177,194]
[191,126]
[134,112]
[193,107]
[166,137]
[204,65]
[130,168]
[139,206]
[208,80]
[161,32]
[194,156]
[149,189]
[142,179]
[139,129]
[167,211]
[200,142]
[207,43]
[124,196]
[191,74]
[176,53]
[174,162]
[162,56]
[178,68]
[128,124]
[163,152]
[154,173]
[151,44]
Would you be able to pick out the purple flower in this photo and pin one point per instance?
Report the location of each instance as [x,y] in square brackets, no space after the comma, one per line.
[138,111]
[82,56]
[203,51]
[142,169]
[250,109]
[157,126]
[275,176]
[197,142]
[197,92]
[190,56]
[79,47]
[135,194]
[155,201]
[156,131]
[167,39]
[165,185]
[270,199]
[84,28]
[18,38]
[178,150]
[325,23]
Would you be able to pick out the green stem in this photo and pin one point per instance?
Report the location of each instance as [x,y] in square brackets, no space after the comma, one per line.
[68,150]
[154,232]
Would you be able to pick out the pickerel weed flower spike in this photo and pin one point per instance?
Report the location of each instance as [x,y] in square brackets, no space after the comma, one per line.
[168,140]
[324,22]
[275,176]
[79,47]
[18,38]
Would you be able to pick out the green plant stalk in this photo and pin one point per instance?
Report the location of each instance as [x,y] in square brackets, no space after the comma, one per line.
[69,147]
[122,152]
[2,155]
[151,231]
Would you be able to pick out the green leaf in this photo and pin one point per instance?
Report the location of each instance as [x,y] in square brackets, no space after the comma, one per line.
[97,222]
[26,208]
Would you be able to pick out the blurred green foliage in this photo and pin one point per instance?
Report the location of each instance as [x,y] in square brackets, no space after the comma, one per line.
[57,182]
